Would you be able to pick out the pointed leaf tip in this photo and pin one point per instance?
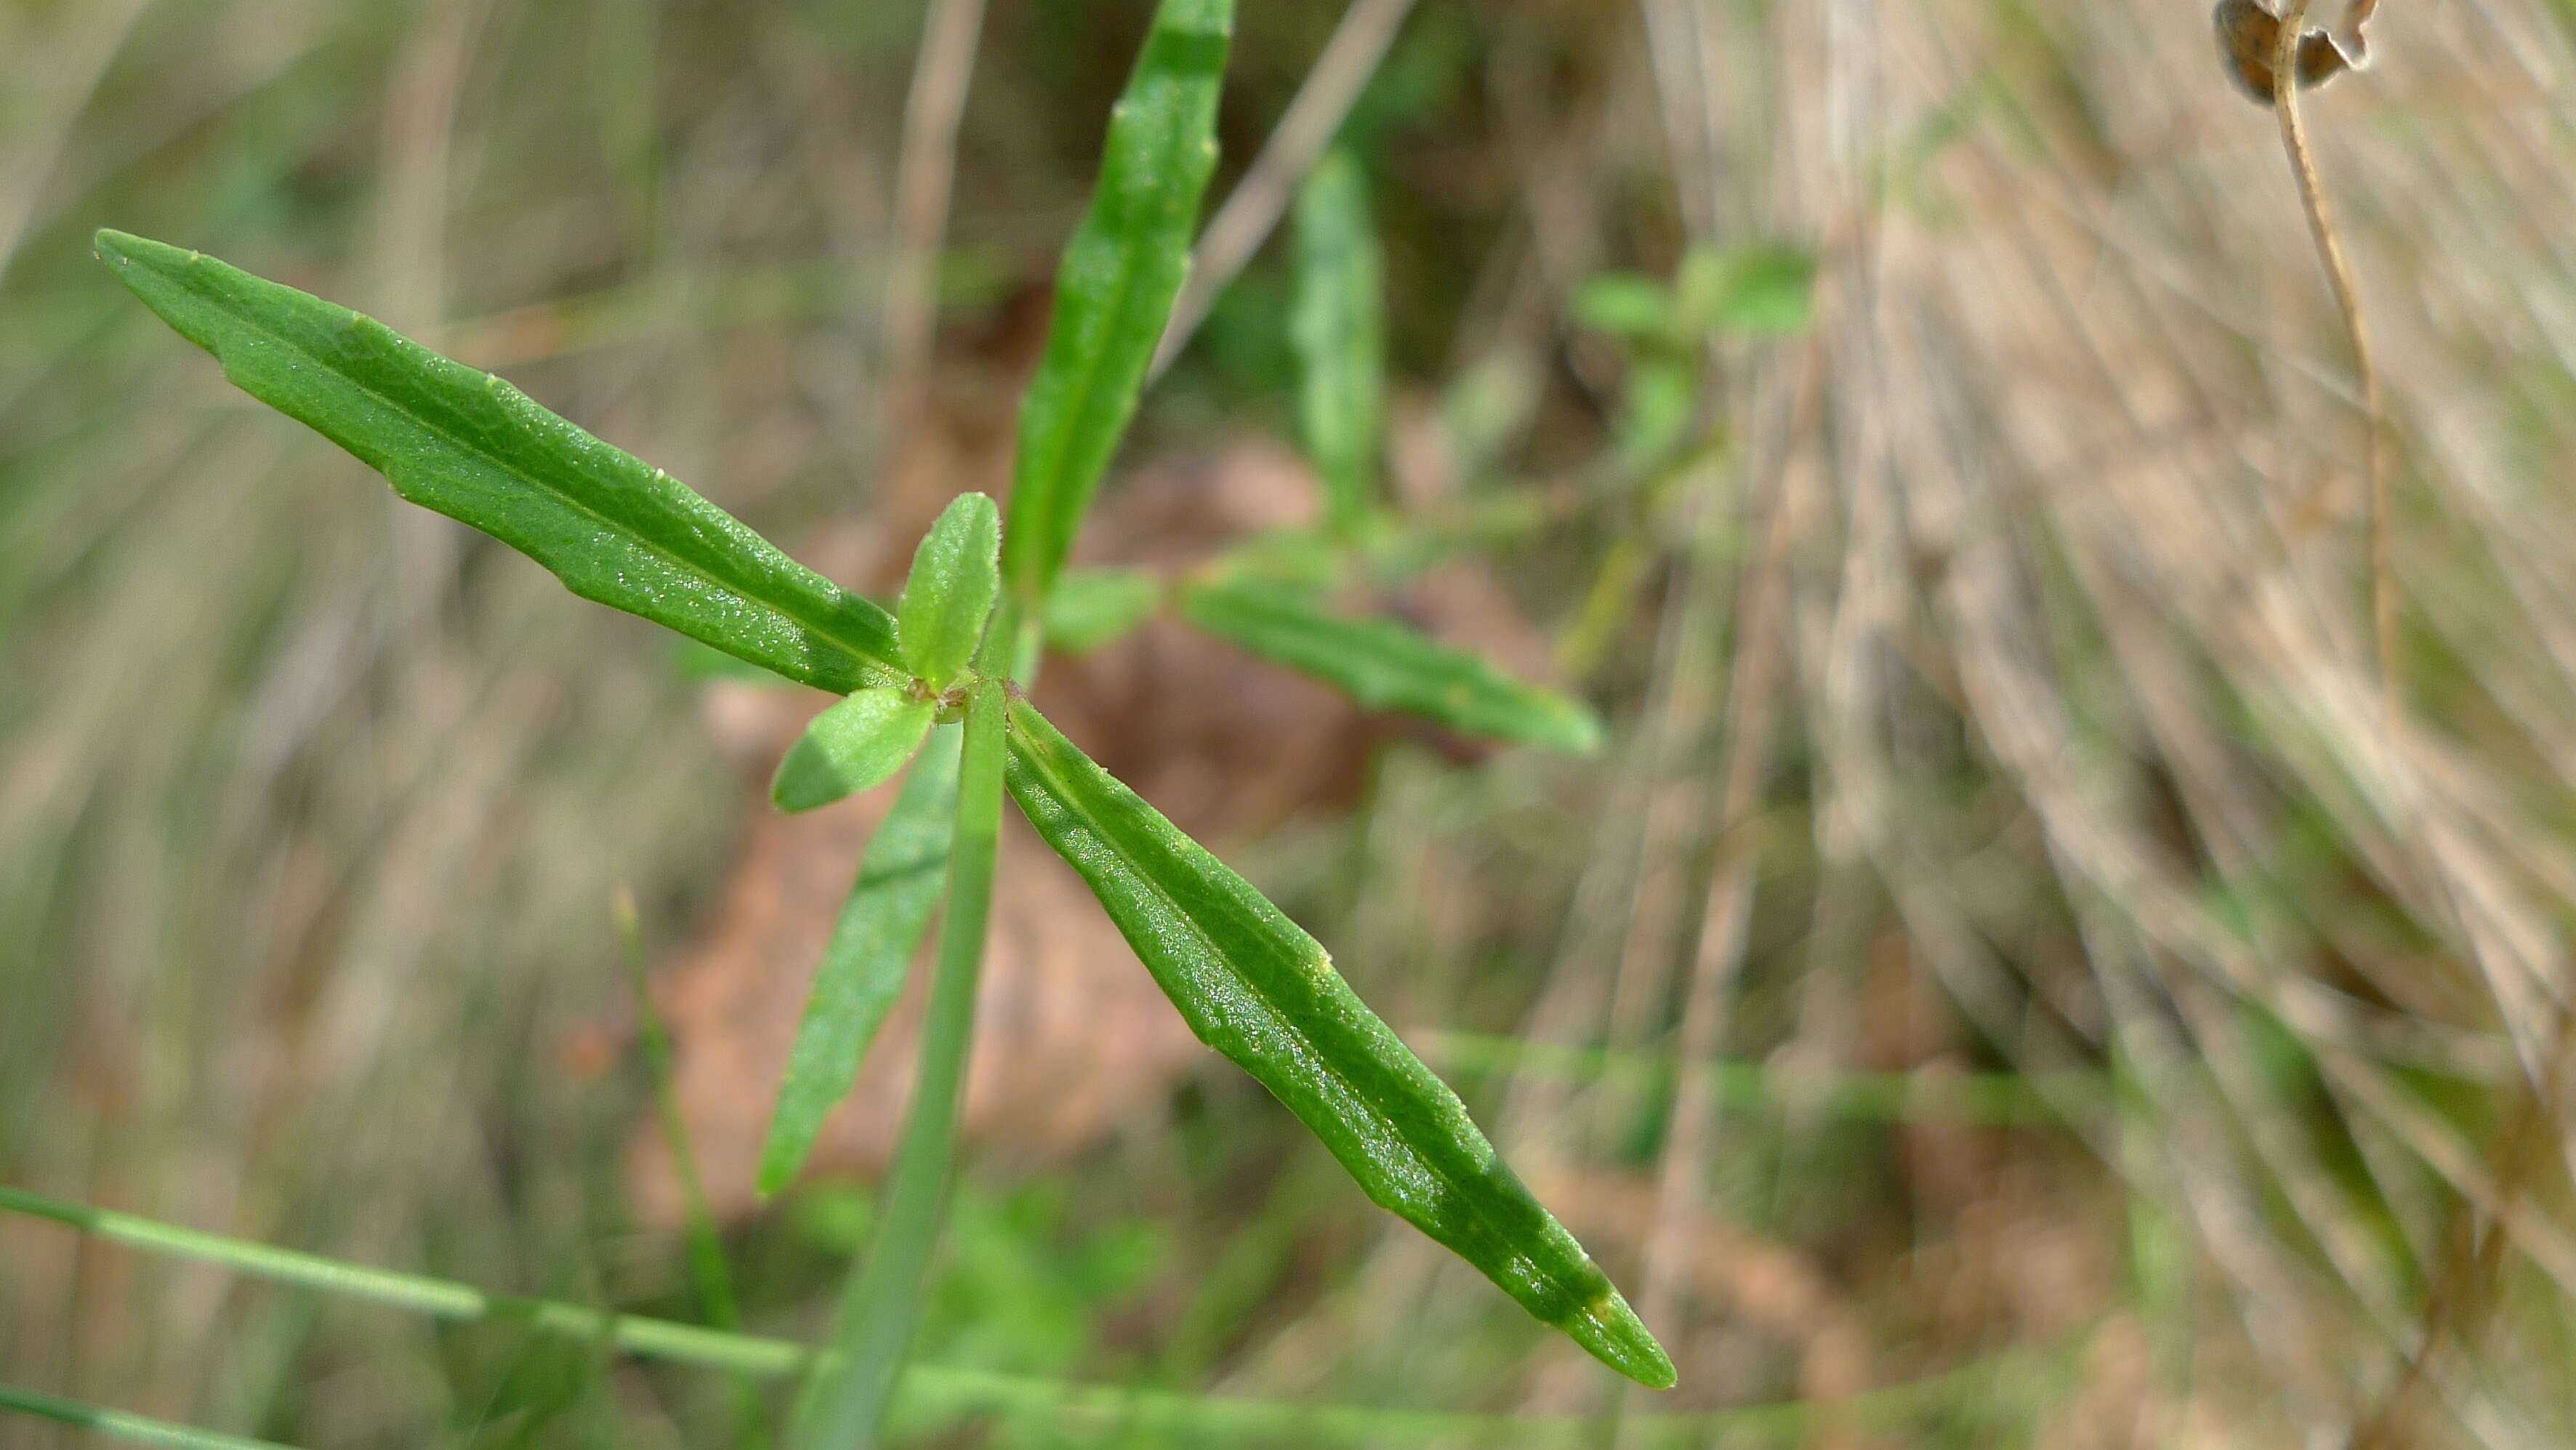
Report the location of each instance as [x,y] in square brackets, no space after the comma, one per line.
[1618,1338]
[1255,987]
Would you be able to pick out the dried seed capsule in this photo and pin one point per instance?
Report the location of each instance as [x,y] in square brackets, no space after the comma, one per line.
[2248,38]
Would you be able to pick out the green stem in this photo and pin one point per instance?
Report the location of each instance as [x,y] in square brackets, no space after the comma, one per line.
[1983,1099]
[117,1424]
[2036,1372]
[845,1400]
[438,1298]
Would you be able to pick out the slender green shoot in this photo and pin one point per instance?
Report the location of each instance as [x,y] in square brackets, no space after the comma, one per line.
[1036,1399]
[707,1270]
[120,1425]
[1982,1099]
[709,1275]
[1339,330]
[846,1399]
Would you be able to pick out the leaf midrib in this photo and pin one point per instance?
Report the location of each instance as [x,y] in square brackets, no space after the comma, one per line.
[1086,385]
[1287,1020]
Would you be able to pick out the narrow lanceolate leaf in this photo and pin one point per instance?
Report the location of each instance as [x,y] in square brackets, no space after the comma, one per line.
[1256,988]
[1384,665]
[1092,607]
[469,445]
[1114,292]
[880,930]
[1339,329]
[854,746]
[956,576]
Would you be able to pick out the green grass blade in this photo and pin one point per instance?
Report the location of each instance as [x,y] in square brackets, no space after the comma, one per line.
[881,926]
[1261,991]
[846,1398]
[955,579]
[709,1274]
[855,745]
[1339,330]
[1114,292]
[1981,1099]
[119,1425]
[476,449]
[707,1269]
[442,1299]
[1385,665]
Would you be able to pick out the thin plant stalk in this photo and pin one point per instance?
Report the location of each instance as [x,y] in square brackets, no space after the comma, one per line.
[845,1401]
[958,1389]
[707,1270]
[709,1275]
[2347,295]
[120,1425]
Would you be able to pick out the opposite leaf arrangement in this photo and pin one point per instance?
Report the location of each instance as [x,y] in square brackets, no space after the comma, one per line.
[949,667]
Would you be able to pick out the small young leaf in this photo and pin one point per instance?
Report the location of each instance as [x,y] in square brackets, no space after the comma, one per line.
[1091,607]
[1339,329]
[469,445]
[956,575]
[1262,992]
[880,929]
[1384,665]
[1659,405]
[1763,291]
[1121,271]
[1625,304]
[859,743]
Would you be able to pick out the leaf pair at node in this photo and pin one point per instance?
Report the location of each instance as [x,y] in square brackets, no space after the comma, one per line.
[861,742]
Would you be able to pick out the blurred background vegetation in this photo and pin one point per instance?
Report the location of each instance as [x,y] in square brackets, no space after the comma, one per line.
[2007,982]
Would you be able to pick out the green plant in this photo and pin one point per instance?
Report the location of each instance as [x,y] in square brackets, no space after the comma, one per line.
[961,648]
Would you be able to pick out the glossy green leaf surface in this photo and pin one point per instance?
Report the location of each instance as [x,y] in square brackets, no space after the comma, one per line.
[467,444]
[853,746]
[1339,331]
[1091,607]
[873,943]
[1386,665]
[956,576]
[1121,271]
[1256,988]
